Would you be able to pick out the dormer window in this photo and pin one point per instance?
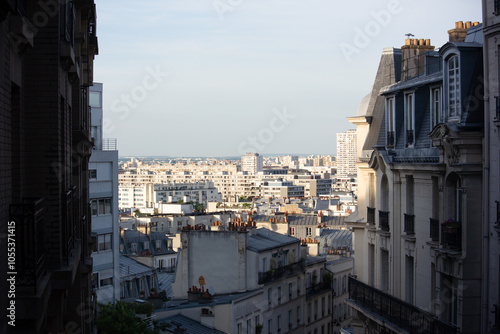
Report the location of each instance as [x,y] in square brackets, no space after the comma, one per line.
[410,119]
[436,114]
[390,122]
[453,80]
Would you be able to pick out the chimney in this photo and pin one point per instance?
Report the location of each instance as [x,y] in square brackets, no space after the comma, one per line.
[413,57]
[460,32]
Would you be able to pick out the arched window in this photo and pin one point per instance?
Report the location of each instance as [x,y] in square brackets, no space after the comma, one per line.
[453,79]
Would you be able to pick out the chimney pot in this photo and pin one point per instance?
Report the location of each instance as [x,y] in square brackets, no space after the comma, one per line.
[475,24]
[467,25]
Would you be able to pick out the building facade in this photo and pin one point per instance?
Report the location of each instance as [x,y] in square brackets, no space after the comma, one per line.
[252,163]
[346,154]
[46,68]
[420,191]
[103,193]
[491,176]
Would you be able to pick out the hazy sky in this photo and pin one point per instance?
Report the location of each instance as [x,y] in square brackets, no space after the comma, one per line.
[223,77]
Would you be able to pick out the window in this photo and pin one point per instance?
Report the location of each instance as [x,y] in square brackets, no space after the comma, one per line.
[292,231]
[290,318]
[409,119]
[249,325]
[104,241]
[390,121]
[435,107]
[298,315]
[95,99]
[106,281]
[497,7]
[101,206]
[308,231]
[298,286]
[93,174]
[270,326]
[239,328]
[279,295]
[453,80]
[279,323]
[290,288]
[269,296]
[264,264]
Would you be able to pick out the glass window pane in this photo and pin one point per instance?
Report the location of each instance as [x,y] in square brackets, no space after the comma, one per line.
[95,99]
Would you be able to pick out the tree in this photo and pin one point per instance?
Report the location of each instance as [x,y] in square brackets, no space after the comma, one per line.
[199,208]
[180,201]
[121,318]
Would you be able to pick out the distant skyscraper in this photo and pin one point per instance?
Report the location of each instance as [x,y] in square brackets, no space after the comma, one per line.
[346,153]
[252,163]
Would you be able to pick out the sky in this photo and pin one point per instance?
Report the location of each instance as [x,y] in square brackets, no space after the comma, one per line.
[186,78]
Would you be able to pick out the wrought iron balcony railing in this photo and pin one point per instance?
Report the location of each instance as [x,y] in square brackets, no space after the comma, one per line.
[370,216]
[409,224]
[279,272]
[396,311]
[383,220]
[434,229]
[451,236]
[31,258]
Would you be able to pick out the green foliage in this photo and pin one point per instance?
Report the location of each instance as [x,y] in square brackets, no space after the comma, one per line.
[199,208]
[120,318]
[327,279]
[247,205]
[180,201]
[258,328]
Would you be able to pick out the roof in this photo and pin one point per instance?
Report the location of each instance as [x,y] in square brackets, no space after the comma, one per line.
[190,326]
[130,269]
[310,260]
[264,239]
[165,281]
[303,220]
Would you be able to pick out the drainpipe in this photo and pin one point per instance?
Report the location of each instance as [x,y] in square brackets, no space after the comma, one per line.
[486,181]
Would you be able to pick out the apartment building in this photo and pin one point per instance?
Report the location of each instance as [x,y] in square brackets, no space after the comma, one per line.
[490,320]
[252,163]
[46,69]
[236,281]
[417,230]
[103,194]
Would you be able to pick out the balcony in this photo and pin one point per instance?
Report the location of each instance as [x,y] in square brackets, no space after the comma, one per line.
[109,144]
[383,220]
[451,236]
[280,272]
[31,258]
[434,229]
[395,311]
[370,216]
[409,224]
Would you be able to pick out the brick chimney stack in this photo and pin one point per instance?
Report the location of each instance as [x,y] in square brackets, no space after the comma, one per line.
[413,57]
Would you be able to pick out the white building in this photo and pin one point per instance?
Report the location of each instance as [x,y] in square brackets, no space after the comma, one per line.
[103,193]
[257,276]
[252,163]
[346,154]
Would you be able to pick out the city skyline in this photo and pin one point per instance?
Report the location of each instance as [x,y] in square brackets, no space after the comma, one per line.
[248,76]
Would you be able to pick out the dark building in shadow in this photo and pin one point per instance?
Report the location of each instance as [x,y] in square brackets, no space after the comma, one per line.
[46,67]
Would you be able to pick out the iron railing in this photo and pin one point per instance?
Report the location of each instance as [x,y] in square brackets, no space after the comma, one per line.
[451,237]
[434,229]
[31,257]
[383,220]
[279,272]
[395,311]
[409,224]
[109,144]
[370,216]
